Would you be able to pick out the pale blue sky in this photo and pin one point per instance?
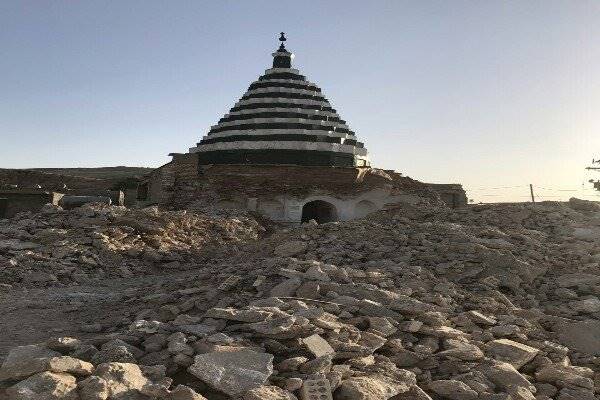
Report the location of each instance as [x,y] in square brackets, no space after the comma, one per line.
[492,94]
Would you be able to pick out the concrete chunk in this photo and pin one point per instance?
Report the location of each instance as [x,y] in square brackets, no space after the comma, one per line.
[45,386]
[514,353]
[316,389]
[233,372]
[23,361]
[582,336]
[317,345]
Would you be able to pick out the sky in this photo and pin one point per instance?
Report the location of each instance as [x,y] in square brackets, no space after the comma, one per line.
[495,95]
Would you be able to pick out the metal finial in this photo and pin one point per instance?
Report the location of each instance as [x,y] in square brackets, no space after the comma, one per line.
[282,39]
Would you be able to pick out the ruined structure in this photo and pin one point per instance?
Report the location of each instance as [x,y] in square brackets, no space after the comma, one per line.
[284,151]
[13,201]
[23,190]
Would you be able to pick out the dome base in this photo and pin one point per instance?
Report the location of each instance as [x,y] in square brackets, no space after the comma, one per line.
[281,157]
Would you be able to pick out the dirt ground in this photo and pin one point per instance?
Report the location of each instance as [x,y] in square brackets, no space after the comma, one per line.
[34,315]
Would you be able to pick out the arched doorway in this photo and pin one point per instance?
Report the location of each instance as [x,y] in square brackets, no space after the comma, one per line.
[319,210]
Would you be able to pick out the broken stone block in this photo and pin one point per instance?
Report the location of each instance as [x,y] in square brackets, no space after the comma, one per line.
[414,393]
[514,353]
[286,288]
[406,358]
[232,314]
[116,354]
[182,392]
[545,389]
[463,351]
[575,394]
[586,306]
[268,393]
[410,326]
[480,319]
[442,332]
[144,326]
[410,306]
[156,357]
[582,336]
[274,326]
[375,309]
[178,345]
[370,388]
[292,384]
[46,386]
[70,365]
[317,345]
[309,290]
[381,326]
[233,372]
[118,342]
[453,389]
[565,375]
[63,344]
[291,248]
[23,361]
[199,329]
[504,330]
[320,365]
[291,364]
[317,274]
[155,342]
[316,389]
[122,379]
[371,341]
[84,352]
[520,393]
[504,375]
[93,388]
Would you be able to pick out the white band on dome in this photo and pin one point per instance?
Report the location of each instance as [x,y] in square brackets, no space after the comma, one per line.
[261,132]
[280,145]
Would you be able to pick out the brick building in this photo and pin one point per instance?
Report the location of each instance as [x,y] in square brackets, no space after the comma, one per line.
[284,151]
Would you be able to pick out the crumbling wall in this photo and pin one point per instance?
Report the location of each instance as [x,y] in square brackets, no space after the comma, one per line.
[452,194]
[279,192]
[19,200]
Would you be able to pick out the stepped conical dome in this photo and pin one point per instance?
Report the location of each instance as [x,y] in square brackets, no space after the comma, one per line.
[282,119]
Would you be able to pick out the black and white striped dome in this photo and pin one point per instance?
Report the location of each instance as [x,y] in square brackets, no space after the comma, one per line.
[282,119]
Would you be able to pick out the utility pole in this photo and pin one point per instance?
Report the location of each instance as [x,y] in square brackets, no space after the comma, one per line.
[531,190]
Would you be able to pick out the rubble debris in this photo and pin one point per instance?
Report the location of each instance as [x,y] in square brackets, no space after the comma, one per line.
[487,302]
[96,241]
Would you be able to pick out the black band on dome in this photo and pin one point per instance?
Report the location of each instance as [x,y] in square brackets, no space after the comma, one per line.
[281,114]
[270,84]
[279,125]
[277,157]
[275,137]
[282,104]
[285,95]
[283,75]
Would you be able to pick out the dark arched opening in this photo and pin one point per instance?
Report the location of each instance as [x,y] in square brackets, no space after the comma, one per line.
[319,210]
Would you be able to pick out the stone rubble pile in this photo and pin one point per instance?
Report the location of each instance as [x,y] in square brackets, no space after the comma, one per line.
[97,241]
[494,302]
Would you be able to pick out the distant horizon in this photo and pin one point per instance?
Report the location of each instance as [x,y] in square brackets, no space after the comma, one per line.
[491,95]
